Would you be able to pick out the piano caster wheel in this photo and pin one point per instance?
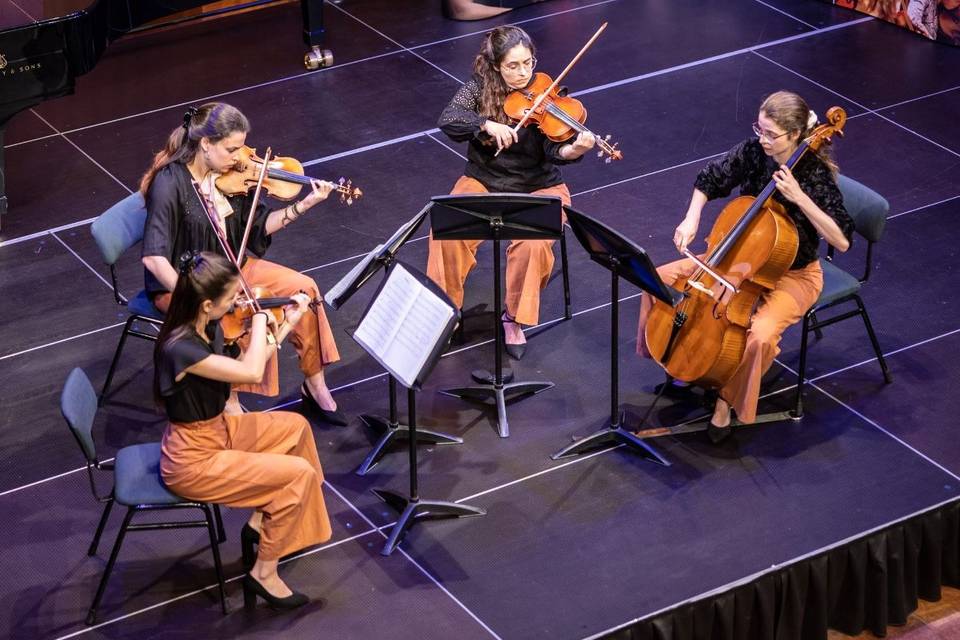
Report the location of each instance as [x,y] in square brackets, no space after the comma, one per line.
[318,58]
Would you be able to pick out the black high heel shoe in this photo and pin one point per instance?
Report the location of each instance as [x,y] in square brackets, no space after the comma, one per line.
[252,588]
[335,417]
[248,537]
[718,434]
[515,351]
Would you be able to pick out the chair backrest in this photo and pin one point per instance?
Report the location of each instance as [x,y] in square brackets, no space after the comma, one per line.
[78,404]
[867,208]
[120,227]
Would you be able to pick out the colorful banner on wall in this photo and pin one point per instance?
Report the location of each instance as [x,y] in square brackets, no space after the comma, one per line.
[935,19]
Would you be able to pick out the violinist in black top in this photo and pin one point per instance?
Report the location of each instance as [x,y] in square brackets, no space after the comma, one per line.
[207,145]
[812,200]
[527,162]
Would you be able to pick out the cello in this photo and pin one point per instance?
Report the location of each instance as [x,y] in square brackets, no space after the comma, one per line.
[751,246]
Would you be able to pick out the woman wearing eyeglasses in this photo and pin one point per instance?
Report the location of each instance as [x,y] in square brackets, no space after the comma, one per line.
[527,162]
[812,200]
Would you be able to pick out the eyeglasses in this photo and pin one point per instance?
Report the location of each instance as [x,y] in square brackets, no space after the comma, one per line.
[766,134]
[514,67]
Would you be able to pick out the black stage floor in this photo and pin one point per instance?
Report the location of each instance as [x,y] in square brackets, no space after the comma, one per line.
[567,549]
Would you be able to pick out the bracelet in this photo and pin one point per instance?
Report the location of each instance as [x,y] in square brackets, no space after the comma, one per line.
[297,211]
[265,314]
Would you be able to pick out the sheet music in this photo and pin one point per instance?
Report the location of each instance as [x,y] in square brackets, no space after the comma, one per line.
[334,293]
[403,325]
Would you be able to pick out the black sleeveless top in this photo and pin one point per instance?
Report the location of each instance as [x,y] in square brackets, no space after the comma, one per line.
[194,397]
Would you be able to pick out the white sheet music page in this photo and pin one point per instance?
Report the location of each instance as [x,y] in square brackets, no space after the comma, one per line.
[403,325]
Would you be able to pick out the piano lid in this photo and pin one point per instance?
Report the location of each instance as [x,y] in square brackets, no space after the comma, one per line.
[20,13]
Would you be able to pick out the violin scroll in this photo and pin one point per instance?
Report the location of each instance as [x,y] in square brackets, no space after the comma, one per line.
[610,150]
[348,192]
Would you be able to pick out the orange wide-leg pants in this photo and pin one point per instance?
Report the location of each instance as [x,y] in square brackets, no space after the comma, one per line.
[267,461]
[529,262]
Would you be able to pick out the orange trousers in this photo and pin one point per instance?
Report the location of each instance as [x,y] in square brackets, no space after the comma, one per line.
[312,337]
[267,461]
[778,309]
[529,262]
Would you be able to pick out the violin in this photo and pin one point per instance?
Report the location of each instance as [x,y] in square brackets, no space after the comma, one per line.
[236,322]
[284,179]
[559,117]
[752,244]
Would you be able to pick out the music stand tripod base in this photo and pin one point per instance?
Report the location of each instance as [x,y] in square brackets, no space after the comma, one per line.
[413,510]
[615,435]
[500,394]
[400,432]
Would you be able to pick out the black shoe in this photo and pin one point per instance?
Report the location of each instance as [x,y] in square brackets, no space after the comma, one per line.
[515,351]
[248,537]
[252,589]
[718,434]
[335,417]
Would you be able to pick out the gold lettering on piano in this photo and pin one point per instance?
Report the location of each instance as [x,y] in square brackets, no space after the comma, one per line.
[3,61]
[7,70]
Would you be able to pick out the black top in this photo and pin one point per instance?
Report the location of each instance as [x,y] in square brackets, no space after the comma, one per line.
[193,397]
[176,222]
[526,166]
[747,166]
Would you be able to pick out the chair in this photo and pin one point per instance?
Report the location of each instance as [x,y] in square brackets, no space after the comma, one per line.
[136,485]
[116,230]
[869,212]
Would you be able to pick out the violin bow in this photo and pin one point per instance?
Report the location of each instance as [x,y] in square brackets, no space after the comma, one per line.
[222,239]
[253,206]
[560,77]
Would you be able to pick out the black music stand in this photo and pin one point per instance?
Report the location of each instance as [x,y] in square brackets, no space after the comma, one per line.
[388,429]
[412,508]
[625,260]
[497,216]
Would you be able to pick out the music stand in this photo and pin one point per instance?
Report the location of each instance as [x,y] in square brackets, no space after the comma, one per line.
[625,260]
[423,337]
[497,216]
[388,429]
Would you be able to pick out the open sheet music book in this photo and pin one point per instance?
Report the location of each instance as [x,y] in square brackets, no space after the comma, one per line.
[404,325]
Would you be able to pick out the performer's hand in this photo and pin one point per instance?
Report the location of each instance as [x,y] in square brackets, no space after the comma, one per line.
[502,133]
[293,312]
[584,142]
[319,190]
[787,184]
[685,233]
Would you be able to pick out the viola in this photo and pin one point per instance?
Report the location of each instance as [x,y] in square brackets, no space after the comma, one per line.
[284,178]
[558,117]
[236,322]
[752,244]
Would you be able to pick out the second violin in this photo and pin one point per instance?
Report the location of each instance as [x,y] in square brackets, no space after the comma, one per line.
[284,180]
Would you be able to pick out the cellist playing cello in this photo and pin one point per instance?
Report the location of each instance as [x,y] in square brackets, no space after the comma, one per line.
[812,200]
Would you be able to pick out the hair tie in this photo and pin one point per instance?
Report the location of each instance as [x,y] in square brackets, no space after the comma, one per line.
[188,116]
[812,119]
[189,261]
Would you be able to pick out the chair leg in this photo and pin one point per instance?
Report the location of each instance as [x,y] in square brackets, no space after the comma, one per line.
[92,614]
[566,276]
[116,359]
[816,331]
[873,339]
[211,529]
[802,368]
[103,521]
[221,533]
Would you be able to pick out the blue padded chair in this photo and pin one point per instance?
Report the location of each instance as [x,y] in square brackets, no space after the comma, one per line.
[869,212]
[116,230]
[136,484]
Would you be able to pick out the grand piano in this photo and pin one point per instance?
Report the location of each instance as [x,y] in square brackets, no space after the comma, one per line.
[46,44]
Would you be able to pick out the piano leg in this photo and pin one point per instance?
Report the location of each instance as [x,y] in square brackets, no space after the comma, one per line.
[3,181]
[317,57]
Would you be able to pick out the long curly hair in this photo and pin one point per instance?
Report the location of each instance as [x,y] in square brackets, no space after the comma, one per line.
[493,89]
